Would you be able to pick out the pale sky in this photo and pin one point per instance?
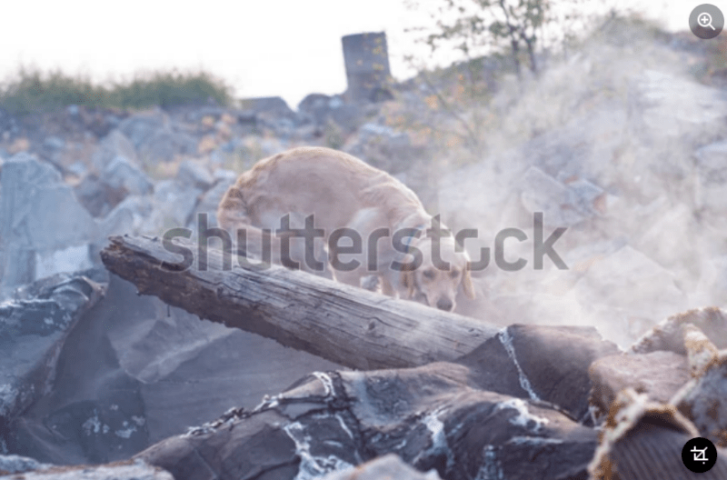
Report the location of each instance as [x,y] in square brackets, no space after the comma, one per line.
[262,47]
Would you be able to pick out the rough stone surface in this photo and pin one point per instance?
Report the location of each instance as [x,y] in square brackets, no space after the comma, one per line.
[120,173]
[30,226]
[112,145]
[669,336]
[33,332]
[704,401]
[173,204]
[166,145]
[133,372]
[195,175]
[96,196]
[387,466]
[429,416]
[129,470]
[140,127]
[18,464]
[548,363]
[210,200]
[659,375]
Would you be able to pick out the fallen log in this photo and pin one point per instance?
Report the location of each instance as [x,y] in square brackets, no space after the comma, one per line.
[350,326]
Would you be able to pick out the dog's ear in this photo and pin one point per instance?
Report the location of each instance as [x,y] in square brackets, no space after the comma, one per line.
[407,276]
[467,286]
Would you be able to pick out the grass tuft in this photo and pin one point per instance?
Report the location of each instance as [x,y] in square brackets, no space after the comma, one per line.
[31,90]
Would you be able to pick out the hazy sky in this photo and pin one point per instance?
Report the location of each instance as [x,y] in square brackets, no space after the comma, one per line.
[262,47]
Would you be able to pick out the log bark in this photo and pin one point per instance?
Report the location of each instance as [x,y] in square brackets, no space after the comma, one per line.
[350,326]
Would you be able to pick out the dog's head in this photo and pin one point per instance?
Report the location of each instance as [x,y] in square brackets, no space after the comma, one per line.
[442,272]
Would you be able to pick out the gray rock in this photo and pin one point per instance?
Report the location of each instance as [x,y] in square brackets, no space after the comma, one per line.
[387,466]
[195,175]
[128,217]
[97,196]
[659,375]
[211,199]
[704,401]
[668,335]
[32,333]
[165,145]
[141,127]
[54,143]
[18,464]
[112,145]
[330,422]
[383,147]
[121,173]
[527,360]
[129,470]
[78,169]
[136,371]
[273,113]
[323,110]
[315,107]
[562,205]
[275,106]
[174,203]
[223,174]
[32,229]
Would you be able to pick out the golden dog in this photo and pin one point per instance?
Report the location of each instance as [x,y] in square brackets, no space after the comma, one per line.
[341,191]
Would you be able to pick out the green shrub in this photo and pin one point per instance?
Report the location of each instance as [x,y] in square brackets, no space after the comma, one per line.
[30,90]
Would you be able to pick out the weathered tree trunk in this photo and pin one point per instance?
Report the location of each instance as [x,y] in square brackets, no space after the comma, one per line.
[353,327]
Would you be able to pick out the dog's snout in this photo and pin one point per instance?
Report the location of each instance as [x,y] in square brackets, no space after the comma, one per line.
[445,304]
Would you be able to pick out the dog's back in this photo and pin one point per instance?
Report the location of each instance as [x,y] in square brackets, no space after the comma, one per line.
[331,185]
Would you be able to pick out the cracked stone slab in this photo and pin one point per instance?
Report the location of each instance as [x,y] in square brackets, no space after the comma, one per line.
[430,416]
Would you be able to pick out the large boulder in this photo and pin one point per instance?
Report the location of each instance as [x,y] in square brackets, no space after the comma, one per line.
[38,240]
[429,416]
[659,375]
[33,331]
[134,371]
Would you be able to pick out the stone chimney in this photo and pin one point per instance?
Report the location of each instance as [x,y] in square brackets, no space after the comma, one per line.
[367,67]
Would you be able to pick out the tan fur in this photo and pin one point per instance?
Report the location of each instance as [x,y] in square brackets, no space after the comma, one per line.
[342,191]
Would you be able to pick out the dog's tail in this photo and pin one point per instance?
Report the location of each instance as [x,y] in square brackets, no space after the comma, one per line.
[232,212]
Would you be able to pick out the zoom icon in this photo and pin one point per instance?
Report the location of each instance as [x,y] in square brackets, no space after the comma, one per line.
[706,21]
